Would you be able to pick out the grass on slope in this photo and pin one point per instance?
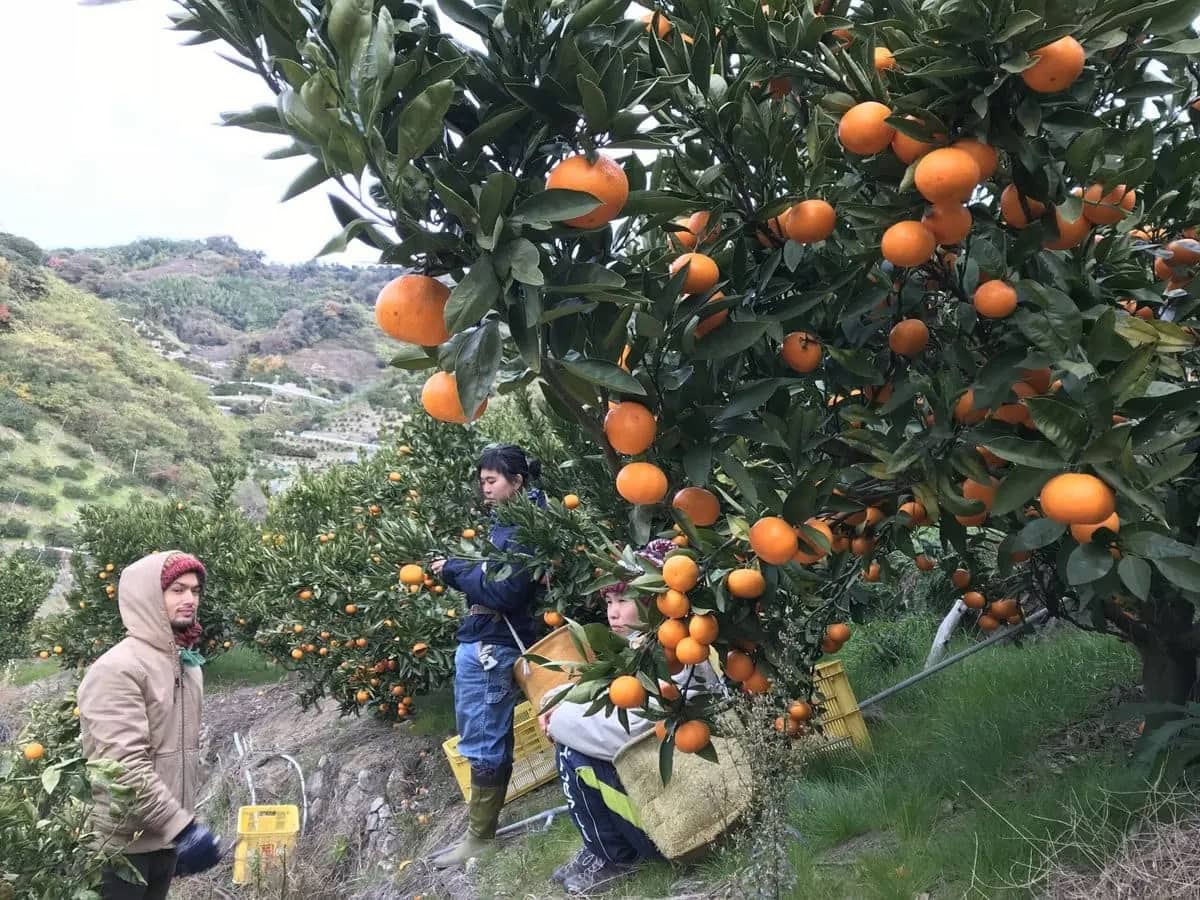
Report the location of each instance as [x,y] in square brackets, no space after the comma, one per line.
[960,769]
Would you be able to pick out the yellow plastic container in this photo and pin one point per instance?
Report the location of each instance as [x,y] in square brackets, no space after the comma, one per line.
[840,720]
[533,757]
[266,835]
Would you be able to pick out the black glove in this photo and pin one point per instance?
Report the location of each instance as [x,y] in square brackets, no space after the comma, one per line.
[196,850]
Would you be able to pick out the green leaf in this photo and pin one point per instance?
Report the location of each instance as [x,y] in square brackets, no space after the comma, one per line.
[1062,423]
[555,205]
[1150,544]
[51,778]
[421,120]
[476,366]
[1037,454]
[1184,48]
[307,180]
[594,107]
[413,359]
[1135,575]
[1182,572]
[657,203]
[1088,563]
[472,297]
[525,262]
[730,338]
[1018,487]
[1038,533]
[605,374]
[497,193]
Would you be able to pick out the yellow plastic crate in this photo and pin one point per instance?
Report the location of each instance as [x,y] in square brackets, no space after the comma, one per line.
[533,757]
[840,719]
[266,835]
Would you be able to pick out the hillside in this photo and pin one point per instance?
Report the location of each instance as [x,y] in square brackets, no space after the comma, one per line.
[88,409]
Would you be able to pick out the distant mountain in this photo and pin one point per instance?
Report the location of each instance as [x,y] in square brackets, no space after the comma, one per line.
[88,409]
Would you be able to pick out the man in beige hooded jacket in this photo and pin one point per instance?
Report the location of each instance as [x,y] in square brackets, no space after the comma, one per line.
[139,704]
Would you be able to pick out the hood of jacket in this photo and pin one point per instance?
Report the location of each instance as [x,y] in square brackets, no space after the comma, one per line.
[140,601]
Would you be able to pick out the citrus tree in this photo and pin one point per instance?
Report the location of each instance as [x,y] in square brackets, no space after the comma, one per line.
[821,284]
[109,538]
[24,583]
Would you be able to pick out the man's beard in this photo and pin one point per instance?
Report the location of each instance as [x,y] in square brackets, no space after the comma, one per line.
[183,624]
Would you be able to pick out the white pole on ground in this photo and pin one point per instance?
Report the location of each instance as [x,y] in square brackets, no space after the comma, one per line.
[942,639]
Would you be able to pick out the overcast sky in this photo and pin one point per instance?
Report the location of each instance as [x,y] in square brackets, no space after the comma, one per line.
[110,135]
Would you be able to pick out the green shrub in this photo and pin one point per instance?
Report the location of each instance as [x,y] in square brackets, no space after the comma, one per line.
[24,583]
[14,528]
[58,536]
[77,492]
[18,415]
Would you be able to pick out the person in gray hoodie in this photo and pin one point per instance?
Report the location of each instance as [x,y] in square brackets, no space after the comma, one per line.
[585,747]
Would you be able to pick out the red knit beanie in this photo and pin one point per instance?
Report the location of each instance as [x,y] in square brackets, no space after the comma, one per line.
[180,564]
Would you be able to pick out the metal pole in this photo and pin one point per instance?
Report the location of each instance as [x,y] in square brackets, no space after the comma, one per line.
[951,660]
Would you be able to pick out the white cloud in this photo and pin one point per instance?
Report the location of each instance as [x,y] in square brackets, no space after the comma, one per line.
[111,135]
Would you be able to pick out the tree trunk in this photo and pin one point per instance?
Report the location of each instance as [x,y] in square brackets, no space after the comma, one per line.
[1168,676]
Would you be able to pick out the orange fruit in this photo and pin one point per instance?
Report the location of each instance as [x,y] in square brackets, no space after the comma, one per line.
[630,428]
[702,628]
[667,690]
[801,351]
[738,665]
[809,550]
[692,736]
[712,321]
[604,179]
[961,578]
[884,60]
[702,275]
[907,244]
[1056,66]
[872,572]
[995,300]
[1074,498]
[974,600]
[1038,379]
[909,149]
[839,632]
[965,412]
[411,574]
[362,697]
[758,683]
[810,221]
[571,501]
[440,398]
[626,692]
[1108,209]
[697,232]
[985,155]
[947,175]
[553,618]
[690,651]
[297,654]
[862,545]
[33,751]
[420,648]
[915,510]
[863,129]
[671,632]
[773,540]
[949,223]
[924,563]
[985,493]
[1163,271]
[681,573]
[412,308]
[641,483]
[799,711]
[660,23]
[988,623]
[870,517]
[746,584]
[1002,609]
[774,233]
[351,609]
[305,594]
[1070,234]
[1012,212]
[673,604]
[909,337]
[660,731]
[701,505]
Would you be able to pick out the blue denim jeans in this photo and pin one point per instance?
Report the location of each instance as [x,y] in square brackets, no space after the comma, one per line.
[484,700]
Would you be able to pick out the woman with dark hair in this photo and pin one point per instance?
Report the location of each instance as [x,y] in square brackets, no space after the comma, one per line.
[498,625]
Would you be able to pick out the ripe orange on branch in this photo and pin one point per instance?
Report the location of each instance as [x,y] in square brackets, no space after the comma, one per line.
[680,573]
[440,398]
[949,223]
[908,244]
[692,736]
[811,221]
[773,540]
[985,155]
[1100,208]
[690,651]
[738,665]
[746,584]
[909,149]
[642,483]
[604,179]
[1012,211]
[701,505]
[702,274]
[673,604]
[947,175]
[412,308]
[630,428]
[809,548]
[1083,532]
[1074,498]
[909,337]
[626,692]
[801,352]
[864,130]
[995,300]
[697,231]
[1057,65]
